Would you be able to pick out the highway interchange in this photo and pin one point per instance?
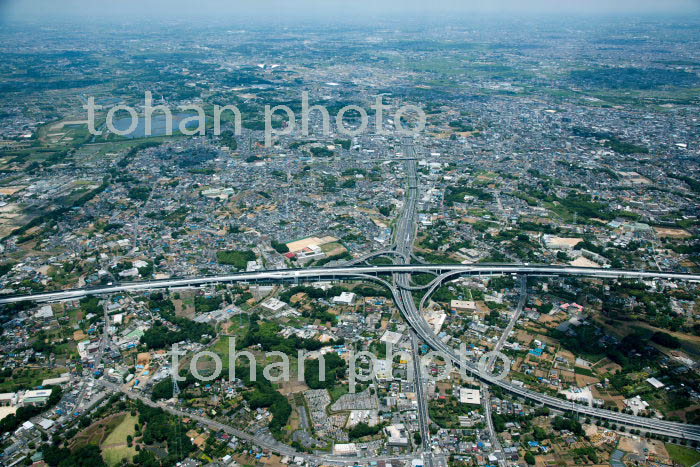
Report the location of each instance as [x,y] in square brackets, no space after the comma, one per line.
[404,236]
[396,277]
[353,272]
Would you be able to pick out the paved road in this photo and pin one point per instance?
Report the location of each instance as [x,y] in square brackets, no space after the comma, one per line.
[262,441]
[490,363]
[404,236]
[421,401]
[425,332]
[85,382]
[680,430]
[674,429]
[368,256]
[355,272]
[489,419]
[511,324]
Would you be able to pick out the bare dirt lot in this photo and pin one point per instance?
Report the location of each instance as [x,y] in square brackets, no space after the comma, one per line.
[639,445]
[672,233]
[292,386]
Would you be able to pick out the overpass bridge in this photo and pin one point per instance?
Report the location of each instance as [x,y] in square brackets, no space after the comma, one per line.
[350,272]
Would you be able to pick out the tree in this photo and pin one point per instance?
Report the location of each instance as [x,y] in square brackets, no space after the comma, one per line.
[237,258]
[13,421]
[53,455]
[362,429]
[567,423]
[539,433]
[87,456]
[530,458]
[228,139]
[666,340]
[146,458]
[279,247]
[335,369]
[265,395]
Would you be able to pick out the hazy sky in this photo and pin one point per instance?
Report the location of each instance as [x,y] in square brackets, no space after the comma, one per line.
[29,9]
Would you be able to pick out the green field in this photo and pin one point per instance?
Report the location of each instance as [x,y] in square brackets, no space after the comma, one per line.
[115,455]
[114,447]
[28,378]
[95,433]
[221,348]
[683,455]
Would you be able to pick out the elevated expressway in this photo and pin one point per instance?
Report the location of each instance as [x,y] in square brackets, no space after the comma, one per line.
[444,271]
[396,277]
[415,320]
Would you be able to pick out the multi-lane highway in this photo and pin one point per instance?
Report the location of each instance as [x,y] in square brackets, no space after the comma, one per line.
[356,272]
[673,429]
[401,290]
[486,396]
[651,425]
[404,236]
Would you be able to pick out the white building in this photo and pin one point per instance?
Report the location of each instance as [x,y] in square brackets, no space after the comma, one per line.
[383,370]
[36,397]
[655,382]
[45,312]
[398,436]
[391,337]
[345,298]
[345,449]
[8,398]
[273,304]
[470,396]
[462,305]
[133,272]
[636,404]
[64,378]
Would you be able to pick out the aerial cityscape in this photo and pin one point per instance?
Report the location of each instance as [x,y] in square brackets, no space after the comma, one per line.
[377,235]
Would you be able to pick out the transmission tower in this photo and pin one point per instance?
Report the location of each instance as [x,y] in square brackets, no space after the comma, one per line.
[176,388]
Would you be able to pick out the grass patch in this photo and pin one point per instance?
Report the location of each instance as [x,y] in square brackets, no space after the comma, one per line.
[97,432]
[121,431]
[236,258]
[584,371]
[221,348]
[114,447]
[115,455]
[338,390]
[28,378]
[683,455]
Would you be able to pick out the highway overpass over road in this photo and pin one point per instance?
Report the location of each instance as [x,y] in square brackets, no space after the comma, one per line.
[354,272]
[396,277]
